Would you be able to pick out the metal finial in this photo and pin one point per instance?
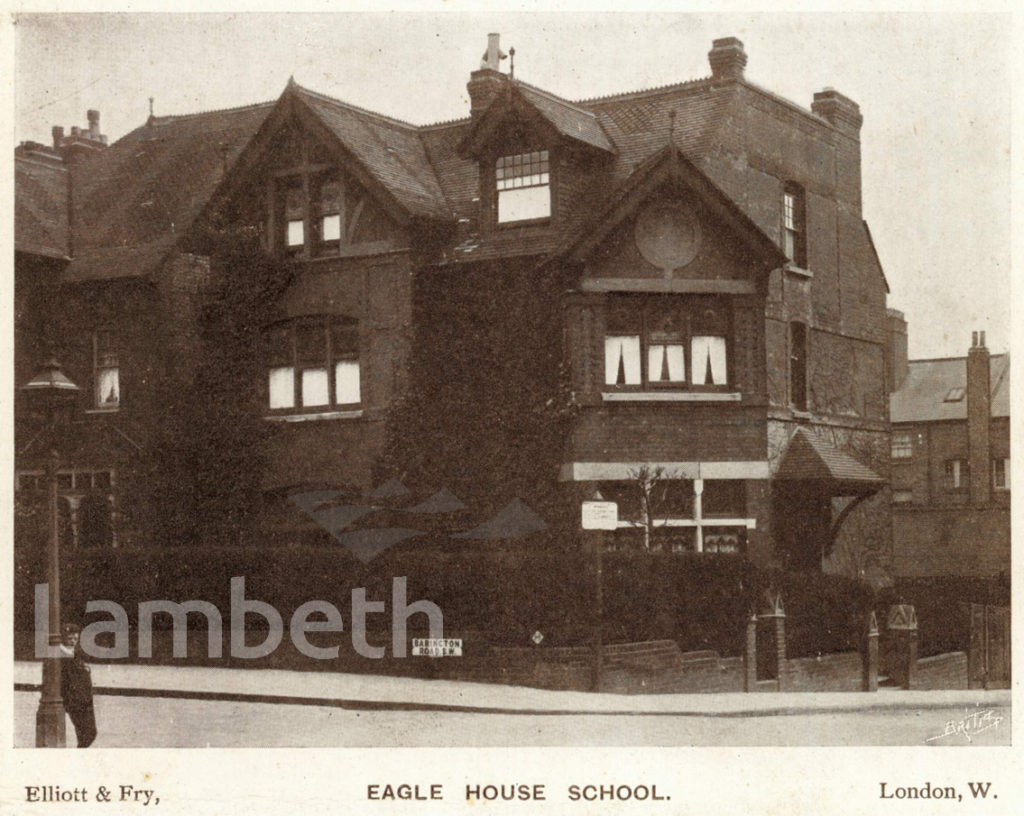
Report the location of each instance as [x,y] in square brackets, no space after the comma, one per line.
[151,106]
[512,63]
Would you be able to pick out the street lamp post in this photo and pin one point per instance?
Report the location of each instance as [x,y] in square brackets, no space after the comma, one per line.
[49,386]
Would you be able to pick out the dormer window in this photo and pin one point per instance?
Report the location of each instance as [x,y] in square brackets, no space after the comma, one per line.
[523,184]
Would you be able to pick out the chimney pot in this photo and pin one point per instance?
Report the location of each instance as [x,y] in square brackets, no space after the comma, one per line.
[974,339]
[981,338]
[94,123]
[727,59]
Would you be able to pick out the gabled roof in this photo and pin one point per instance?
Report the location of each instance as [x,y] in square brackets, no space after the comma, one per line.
[388,149]
[41,206]
[922,397]
[132,201]
[669,165]
[811,458]
[564,118]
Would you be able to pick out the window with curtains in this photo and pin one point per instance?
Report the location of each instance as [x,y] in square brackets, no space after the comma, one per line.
[666,341]
[313,365]
[106,370]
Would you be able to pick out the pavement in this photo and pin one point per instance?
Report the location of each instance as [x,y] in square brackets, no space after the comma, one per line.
[364,692]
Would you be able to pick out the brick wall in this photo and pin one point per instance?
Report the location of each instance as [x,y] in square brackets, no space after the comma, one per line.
[838,672]
[669,432]
[945,671]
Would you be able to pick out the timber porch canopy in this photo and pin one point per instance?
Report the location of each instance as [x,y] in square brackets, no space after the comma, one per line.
[811,474]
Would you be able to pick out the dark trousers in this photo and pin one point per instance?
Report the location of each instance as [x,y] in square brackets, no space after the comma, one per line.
[84,720]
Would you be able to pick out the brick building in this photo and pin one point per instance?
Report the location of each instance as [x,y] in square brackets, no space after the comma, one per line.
[951,464]
[668,296]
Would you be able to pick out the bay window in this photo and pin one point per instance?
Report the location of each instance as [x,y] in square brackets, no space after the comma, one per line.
[666,341]
[313,364]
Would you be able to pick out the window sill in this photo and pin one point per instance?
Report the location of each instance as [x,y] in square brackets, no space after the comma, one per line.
[801,414]
[354,414]
[103,410]
[671,396]
[798,271]
[545,221]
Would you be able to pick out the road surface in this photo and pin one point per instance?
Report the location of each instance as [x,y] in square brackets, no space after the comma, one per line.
[164,722]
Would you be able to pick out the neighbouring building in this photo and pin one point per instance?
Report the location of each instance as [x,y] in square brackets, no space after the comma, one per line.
[951,464]
[668,297]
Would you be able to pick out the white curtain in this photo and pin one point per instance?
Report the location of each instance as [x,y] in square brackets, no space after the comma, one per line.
[662,357]
[622,351]
[346,382]
[108,388]
[282,387]
[314,387]
[707,350]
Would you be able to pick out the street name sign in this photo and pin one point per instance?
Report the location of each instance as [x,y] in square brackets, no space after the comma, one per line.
[600,515]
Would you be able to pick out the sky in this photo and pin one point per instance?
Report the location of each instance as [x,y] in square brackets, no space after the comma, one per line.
[934,89]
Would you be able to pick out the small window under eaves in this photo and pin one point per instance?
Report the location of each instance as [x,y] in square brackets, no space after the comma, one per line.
[954,395]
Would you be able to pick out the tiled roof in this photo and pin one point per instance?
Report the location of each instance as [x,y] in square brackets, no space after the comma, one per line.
[567,118]
[810,457]
[134,199]
[146,190]
[922,397]
[391,150]
[41,209]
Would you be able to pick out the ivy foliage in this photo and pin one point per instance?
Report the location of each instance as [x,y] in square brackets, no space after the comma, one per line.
[208,461]
[487,411]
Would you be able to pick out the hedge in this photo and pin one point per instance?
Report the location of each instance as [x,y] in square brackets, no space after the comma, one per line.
[701,601]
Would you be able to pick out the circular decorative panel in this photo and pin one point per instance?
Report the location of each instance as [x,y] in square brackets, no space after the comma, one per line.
[668,235]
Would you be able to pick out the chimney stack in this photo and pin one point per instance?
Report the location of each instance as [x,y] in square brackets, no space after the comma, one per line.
[728,59]
[897,366]
[979,413]
[839,111]
[487,82]
[94,124]
[58,136]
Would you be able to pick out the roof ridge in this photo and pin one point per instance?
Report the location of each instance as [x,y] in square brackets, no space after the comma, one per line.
[656,89]
[555,97]
[446,123]
[178,116]
[952,359]
[366,111]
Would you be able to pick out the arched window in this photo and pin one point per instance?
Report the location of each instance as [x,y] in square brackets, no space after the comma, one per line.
[313,364]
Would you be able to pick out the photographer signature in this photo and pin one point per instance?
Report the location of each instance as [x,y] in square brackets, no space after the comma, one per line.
[970,725]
